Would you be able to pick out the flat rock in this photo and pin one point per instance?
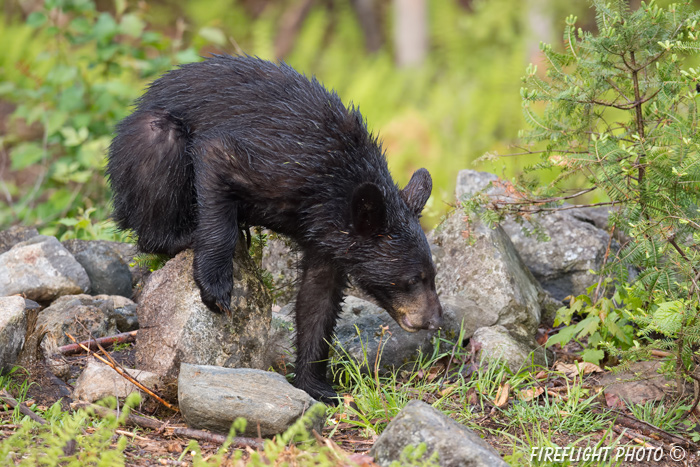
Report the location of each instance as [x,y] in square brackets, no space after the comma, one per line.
[14,235]
[638,385]
[98,381]
[105,266]
[213,397]
[455,444]
[480,267]
[495,343]
[13,330]
[176,327]
[83,316]
[41,269]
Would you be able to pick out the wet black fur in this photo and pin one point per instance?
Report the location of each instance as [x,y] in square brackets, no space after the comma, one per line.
[239,140]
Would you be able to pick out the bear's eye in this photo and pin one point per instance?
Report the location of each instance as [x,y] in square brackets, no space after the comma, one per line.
[413,281]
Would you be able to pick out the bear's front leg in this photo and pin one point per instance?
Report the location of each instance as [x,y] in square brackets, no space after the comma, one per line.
[317,308]
[214,239]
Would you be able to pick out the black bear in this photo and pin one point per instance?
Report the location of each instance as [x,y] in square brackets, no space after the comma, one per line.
[241,141]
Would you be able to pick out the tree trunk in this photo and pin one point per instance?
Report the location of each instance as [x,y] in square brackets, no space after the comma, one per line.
[410,32]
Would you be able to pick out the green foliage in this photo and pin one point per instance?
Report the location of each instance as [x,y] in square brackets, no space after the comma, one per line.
[617,112]
[150,261]
[33,444]
[604,323]
[91,67]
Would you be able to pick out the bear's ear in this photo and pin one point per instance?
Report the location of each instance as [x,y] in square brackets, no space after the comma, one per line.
[417,192]
[368,209]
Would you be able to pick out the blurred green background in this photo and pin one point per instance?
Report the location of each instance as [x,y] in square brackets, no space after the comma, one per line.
[439,80]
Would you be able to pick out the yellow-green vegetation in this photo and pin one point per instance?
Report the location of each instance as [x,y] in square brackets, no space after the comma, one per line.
[73,71]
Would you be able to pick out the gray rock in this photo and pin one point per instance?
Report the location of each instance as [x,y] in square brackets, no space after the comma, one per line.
[98,381]
[485,272]
[495,343]
[176,327]
[82,316]
[399,347]
[280,259]
[13,330]
[213,397]
[469,182]
[577,238]
[123,312]
[14,235]
[640,384]
[455,444]
[562,263]
[105,266]
[41,269]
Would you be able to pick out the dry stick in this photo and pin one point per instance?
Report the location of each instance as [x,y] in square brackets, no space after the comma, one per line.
[22,407]
[123,338]
[157,426]
[649,429]
[125,375]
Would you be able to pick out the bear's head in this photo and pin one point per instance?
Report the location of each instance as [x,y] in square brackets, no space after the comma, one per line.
[391,259]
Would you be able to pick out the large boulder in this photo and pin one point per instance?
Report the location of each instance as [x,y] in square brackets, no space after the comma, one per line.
[454,444]
[577,237]
[41,269]
[480,268]
[13,329]
[82,316]
[105,266]
[212,398]
[176,327]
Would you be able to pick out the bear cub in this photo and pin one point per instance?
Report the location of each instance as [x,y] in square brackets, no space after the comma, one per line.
[240,141]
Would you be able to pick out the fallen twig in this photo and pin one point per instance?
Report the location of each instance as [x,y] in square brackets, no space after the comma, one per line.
[124,374]
[650,430]
[161,427]
[122,338]
[22,407]
[236,441]
[132,419]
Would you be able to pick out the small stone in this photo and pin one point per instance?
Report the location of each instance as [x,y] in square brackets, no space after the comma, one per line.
[455,444]
[98,381]
[13,329]
[213,398]
[82,316]
[14,235]
[108,271]
[495,343]
[41,269]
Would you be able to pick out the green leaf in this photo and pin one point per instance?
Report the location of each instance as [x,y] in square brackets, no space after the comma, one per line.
[132,25]
[592,355]
[213,35]
[36,19]
[25,154]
